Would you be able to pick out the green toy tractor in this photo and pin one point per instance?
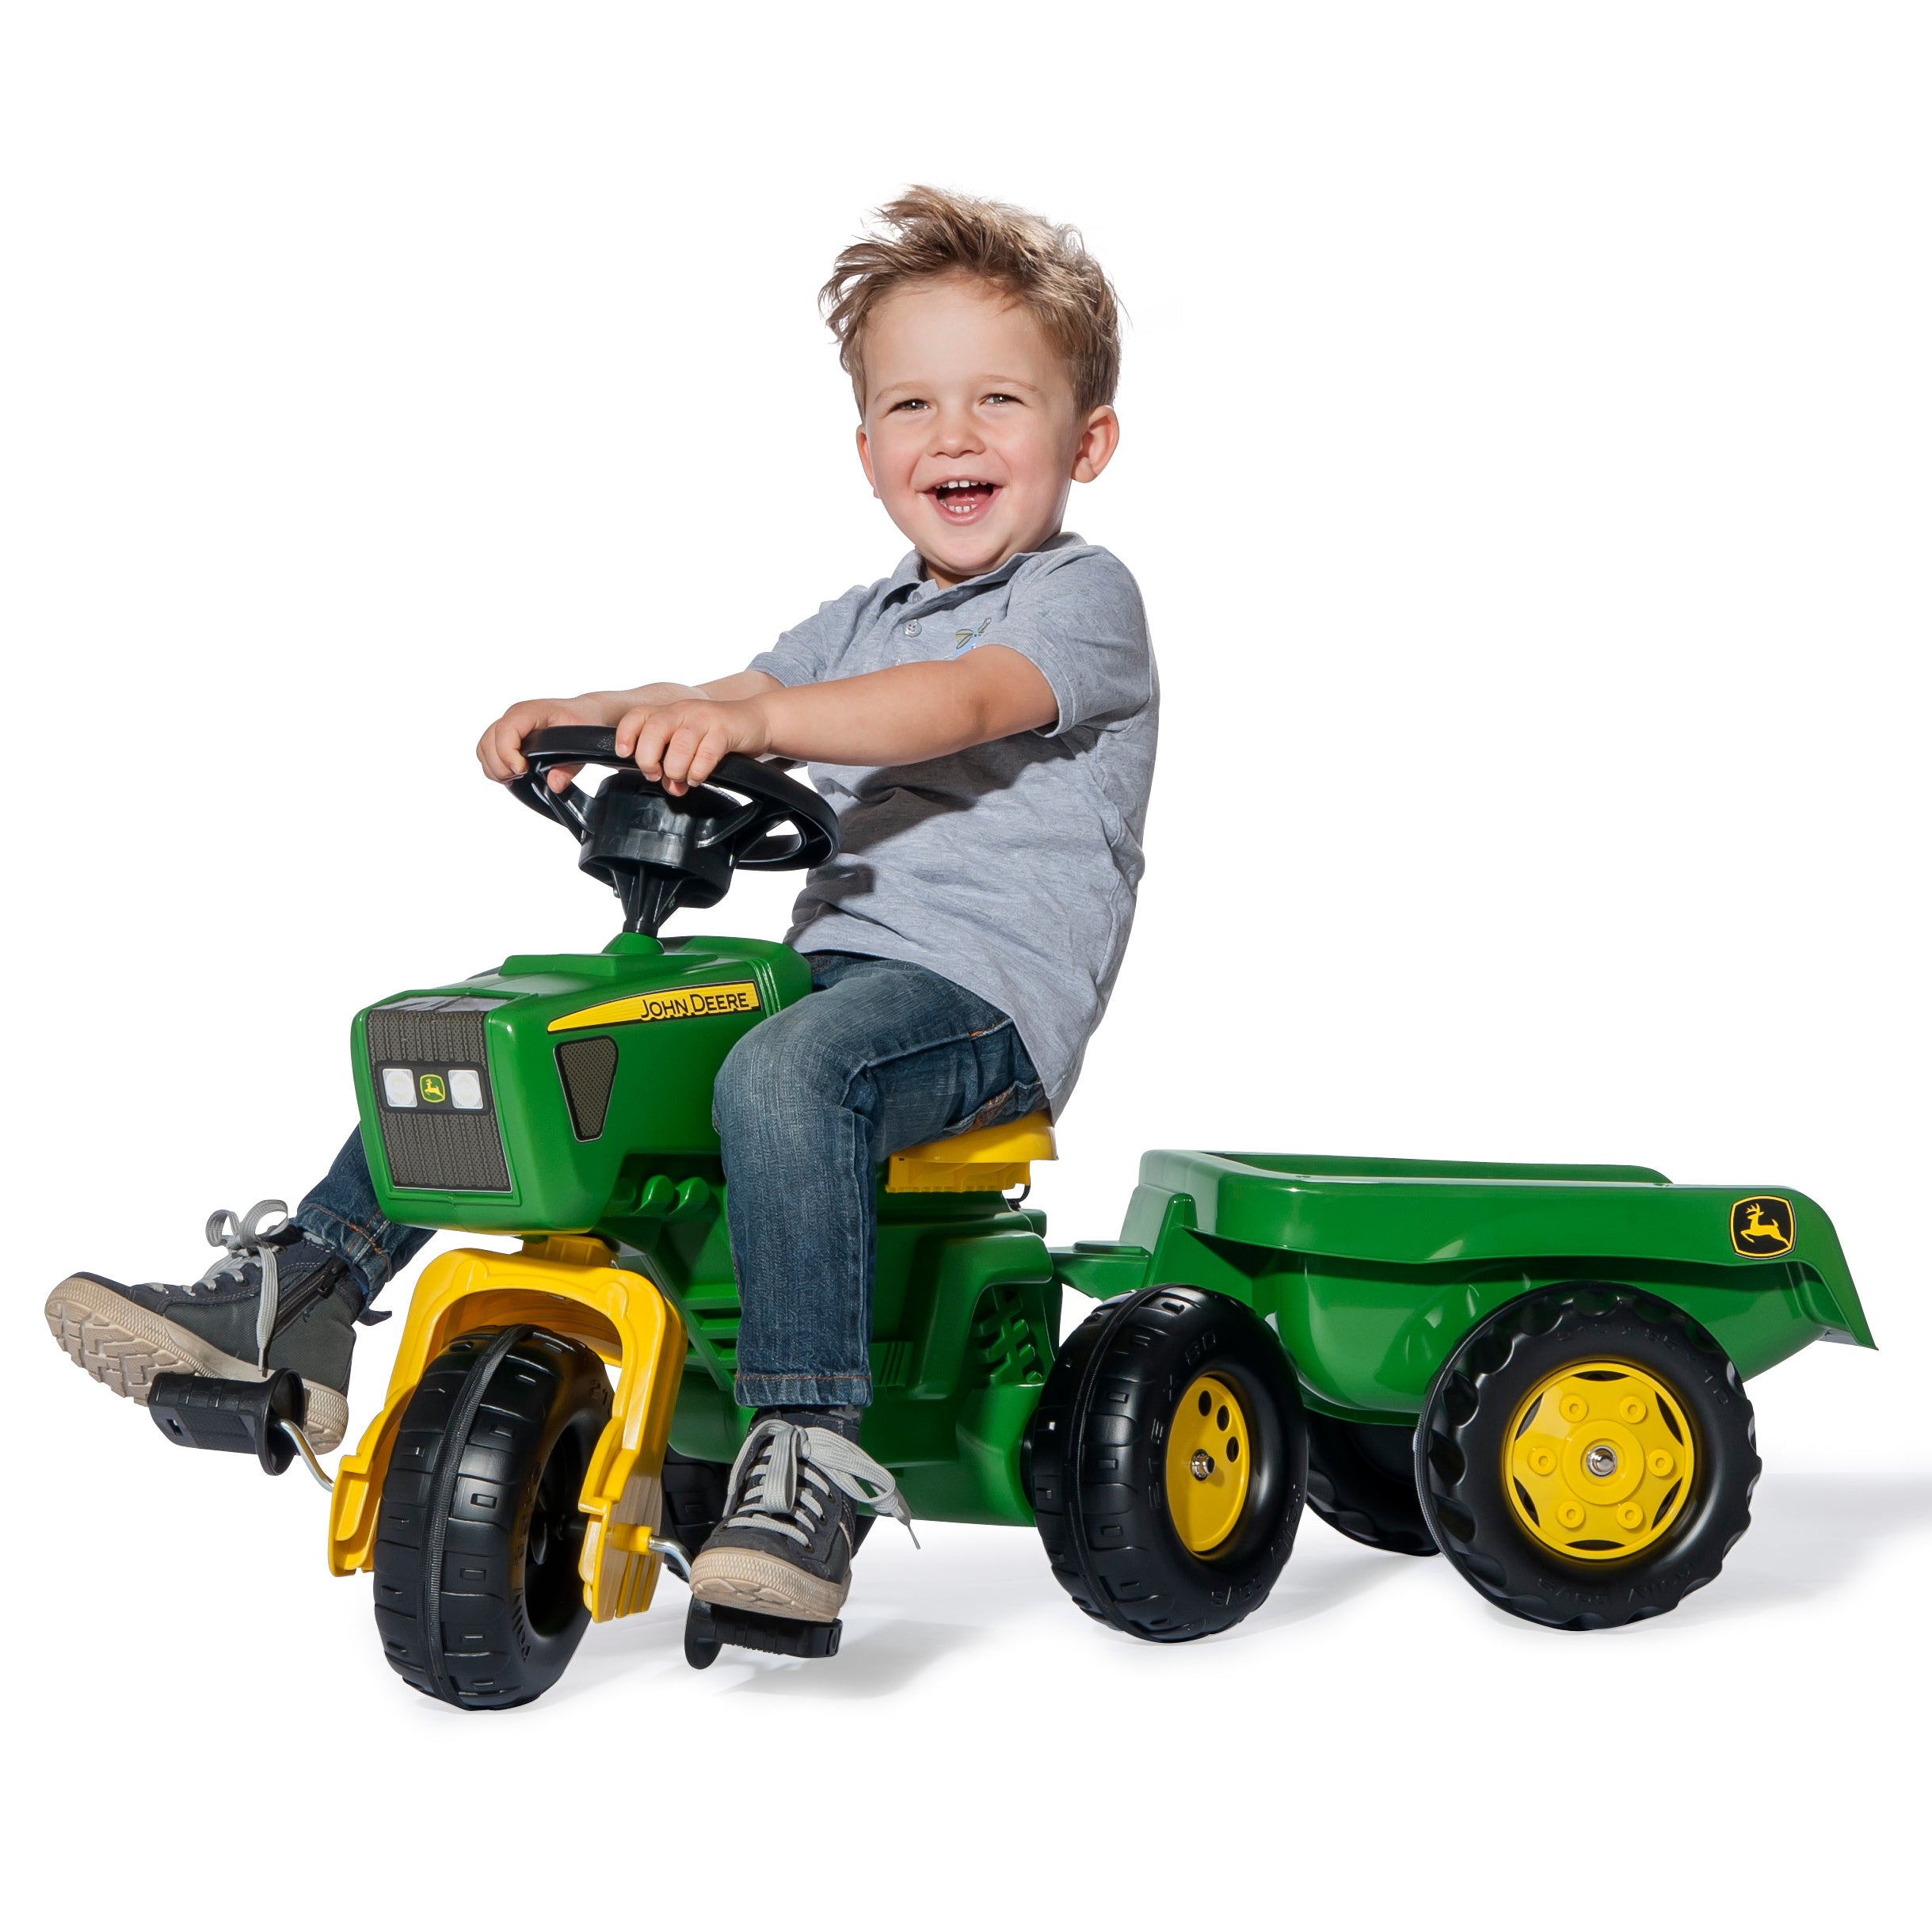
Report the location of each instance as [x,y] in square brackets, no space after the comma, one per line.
[1537,1370]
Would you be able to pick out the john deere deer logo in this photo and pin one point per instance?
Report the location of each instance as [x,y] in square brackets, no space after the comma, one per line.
[1762,1225]
[431,1087]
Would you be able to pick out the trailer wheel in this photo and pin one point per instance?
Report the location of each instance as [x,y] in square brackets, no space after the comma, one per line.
[1587,1456]
[1361,1481]
[1169,1463]
[477,1597]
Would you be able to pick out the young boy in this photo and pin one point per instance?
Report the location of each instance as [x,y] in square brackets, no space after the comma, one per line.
[984,722]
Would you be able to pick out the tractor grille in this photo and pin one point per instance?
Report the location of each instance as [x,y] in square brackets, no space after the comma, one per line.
[431,1051]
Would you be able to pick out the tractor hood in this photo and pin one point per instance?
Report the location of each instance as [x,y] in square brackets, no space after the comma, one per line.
[536,1098]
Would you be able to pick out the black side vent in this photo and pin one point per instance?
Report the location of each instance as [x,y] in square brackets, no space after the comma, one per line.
[588,1070]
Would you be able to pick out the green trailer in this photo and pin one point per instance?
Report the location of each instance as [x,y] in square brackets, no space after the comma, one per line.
[1537,1370]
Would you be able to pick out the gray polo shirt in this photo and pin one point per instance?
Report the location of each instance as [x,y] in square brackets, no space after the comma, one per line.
[1010,868]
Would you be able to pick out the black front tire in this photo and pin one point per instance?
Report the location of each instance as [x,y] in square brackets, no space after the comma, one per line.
[1361,1481]
[1461,1447]
[477,1597]
[1100,1440]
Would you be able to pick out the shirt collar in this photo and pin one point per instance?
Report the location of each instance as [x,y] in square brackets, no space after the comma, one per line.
[911,574]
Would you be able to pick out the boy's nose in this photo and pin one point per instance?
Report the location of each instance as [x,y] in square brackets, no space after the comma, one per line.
[953,435]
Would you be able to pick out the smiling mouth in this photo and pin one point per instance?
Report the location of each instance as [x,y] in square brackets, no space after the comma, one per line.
[962,498]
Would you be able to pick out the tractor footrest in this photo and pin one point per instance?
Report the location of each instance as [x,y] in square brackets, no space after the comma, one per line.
[202,1412]
[708,1625]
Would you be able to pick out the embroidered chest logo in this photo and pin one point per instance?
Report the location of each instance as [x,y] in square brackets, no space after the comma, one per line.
[1762,1225]
[965,640]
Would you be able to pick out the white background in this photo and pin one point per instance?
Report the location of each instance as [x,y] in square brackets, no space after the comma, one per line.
[1526,417]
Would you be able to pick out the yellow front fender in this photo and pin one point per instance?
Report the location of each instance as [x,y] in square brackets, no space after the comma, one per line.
[566,1285]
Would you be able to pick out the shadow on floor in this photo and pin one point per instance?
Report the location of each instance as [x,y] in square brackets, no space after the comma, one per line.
[1318,1580]
[1810,1535]
[878,1656]
[875,1661]
[892,1634]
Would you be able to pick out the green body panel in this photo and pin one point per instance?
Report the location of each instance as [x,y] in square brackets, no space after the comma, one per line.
[660,1116]
[1370,1270]
[966,1316]
[967,1308]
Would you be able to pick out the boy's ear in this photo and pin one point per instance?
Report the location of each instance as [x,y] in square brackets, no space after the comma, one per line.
[865,458]
[1095,450]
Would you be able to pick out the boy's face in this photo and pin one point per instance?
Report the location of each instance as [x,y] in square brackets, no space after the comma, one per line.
[970,438]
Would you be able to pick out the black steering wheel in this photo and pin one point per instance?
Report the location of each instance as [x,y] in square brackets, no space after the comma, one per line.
[656,853]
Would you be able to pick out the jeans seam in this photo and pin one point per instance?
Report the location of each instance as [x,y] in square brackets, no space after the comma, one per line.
[761,1390]
[364,1257]
[855,1069]
[1003,1023]
[858,1172]
[369,1235]
[867,1068]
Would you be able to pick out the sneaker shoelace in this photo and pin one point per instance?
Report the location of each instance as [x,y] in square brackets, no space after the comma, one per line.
[245,1240]
[789,1472]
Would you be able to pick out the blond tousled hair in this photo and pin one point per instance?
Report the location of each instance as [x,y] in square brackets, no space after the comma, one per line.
[927,234]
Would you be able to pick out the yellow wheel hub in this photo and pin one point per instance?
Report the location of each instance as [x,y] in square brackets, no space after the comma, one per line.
[1208,1456]
[1599,1460]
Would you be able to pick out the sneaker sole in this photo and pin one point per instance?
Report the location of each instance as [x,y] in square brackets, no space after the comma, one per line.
[742,1579]
[123,1348]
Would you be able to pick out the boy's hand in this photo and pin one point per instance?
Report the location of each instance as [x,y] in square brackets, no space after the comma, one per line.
[499,750]
[678,743]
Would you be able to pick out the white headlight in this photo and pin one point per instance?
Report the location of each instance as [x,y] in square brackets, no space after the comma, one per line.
[398,1086]
[466,1088]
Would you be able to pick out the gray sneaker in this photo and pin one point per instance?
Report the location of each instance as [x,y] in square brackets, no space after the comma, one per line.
[277,1299]
[785,1547]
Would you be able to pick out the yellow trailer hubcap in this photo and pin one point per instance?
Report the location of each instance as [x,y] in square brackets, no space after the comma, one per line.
[1207,1464]
[1599,1460]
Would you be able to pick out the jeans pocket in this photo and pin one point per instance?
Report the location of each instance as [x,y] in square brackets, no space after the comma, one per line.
[1011,1103]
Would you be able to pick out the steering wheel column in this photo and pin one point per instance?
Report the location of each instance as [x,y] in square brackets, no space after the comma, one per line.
[658,852]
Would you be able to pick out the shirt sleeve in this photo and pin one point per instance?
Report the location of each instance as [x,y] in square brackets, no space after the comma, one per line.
[806,654]
[1079,620]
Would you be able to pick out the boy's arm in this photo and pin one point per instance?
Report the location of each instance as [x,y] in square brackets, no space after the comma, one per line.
[899,716]
[498,750]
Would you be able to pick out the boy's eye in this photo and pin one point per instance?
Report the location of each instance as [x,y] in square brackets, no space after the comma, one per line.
[997,397]
[911,402]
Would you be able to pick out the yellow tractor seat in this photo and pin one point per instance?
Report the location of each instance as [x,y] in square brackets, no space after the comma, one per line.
[981,1161]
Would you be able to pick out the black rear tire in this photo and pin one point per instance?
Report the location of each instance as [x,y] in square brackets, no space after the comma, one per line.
[694,1499]
[1464,1437]
[477,1597]
[1361,1481]
[1099,1442]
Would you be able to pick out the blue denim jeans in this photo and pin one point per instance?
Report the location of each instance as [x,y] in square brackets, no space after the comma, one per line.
[883,1055]
[339,1211]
